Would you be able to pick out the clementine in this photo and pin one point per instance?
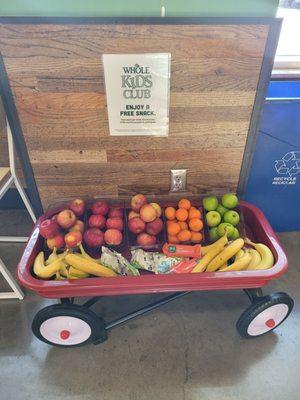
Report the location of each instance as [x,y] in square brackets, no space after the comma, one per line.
[184,203]
[182,214]
[195,224]
[184,236]
[170,213]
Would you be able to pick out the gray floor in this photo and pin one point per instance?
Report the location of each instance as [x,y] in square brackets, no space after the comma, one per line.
[189,349]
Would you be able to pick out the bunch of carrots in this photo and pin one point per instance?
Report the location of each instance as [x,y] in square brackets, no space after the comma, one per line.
[184,223]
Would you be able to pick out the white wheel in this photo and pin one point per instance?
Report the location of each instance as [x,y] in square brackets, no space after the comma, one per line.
[68,325]
[66,331]
[264,315]
[267,319]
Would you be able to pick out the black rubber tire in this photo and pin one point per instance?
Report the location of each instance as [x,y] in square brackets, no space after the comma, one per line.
[98,332]
[259,306]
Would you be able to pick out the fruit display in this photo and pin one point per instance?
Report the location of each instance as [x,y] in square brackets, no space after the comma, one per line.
[74,232]
[65,229]
[184,223]
[144,222]
[222,216]
[99,224]
[225,256]
[105,225]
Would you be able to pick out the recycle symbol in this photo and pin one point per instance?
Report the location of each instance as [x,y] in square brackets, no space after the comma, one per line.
[289,164]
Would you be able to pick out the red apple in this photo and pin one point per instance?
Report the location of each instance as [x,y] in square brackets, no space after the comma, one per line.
[100,207]
[57,241]
[144,239]
[132,214]
[73,239]
[78,207]
[66,219]
[136,225]
[138,201]
[97,221]
[78,226]
[49,228]
[113,236]
[148,213]
[93,237]
[115,212]
[154,227]
[114,223]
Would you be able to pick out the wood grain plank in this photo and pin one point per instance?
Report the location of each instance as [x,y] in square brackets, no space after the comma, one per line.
[60,97]
[58,156]
[173,155]
[184,31]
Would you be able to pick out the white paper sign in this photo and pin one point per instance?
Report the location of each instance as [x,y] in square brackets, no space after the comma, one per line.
[137,92]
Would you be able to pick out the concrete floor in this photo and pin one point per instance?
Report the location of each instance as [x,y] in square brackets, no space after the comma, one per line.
[188,349]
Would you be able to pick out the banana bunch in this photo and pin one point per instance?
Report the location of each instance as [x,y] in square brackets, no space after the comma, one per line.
[69,266]
[233,256]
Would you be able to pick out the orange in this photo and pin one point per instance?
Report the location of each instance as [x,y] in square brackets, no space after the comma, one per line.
[196,237]
[182,214]
[184,203]
[183,225]
[195,224]
[173,228]
[194,213]
[172,239]
[168,222]
[184,236]
[170,212]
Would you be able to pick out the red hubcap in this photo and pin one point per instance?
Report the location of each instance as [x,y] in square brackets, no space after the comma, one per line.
[65,335]
[270,323]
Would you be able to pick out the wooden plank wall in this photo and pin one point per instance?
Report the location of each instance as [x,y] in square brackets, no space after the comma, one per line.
[56,76]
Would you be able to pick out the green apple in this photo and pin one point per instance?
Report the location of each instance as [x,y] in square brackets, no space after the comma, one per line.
[213,234]
[235,234]
[210,203]
[221,209]
[225,226]
[229,200]
[232,217]
[213,218]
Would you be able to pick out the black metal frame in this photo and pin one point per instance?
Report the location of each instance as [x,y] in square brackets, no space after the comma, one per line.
[265,73]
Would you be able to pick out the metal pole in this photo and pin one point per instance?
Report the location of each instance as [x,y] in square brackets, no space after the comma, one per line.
[144,310]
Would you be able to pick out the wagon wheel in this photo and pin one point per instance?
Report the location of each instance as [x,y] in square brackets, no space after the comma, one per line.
[68,325]
[264,315]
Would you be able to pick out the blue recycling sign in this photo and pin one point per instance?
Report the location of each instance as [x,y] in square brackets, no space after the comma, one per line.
[289,164]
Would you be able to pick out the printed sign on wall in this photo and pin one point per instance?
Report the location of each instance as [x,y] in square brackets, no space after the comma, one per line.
[137,93]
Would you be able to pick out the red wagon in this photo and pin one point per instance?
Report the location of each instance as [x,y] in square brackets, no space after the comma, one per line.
[70,324]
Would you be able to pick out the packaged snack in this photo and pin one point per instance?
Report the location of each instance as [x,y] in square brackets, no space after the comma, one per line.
[116,262]
[154,262]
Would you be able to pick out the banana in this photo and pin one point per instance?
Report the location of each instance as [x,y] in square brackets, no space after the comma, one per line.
[59,276]
[46,271]
[238,264]
[77,273]
[223,241]
[255,260]
[202,264]
[267,258]
[85,255]
[52,257]
[228,252]
[88,266]
[239,254]
[224,265]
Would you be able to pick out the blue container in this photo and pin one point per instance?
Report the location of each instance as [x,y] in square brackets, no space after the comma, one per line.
[274,180]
